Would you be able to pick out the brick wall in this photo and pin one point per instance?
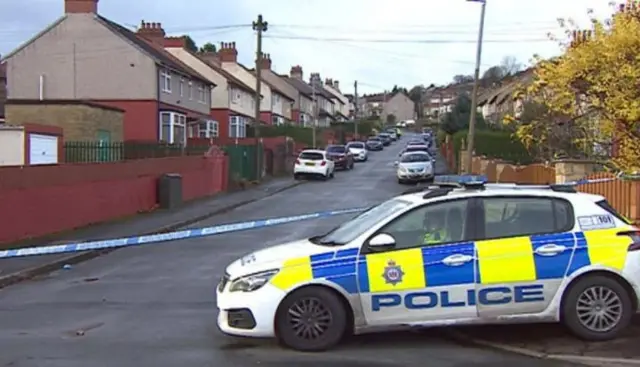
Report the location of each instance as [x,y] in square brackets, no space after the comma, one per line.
[40,200]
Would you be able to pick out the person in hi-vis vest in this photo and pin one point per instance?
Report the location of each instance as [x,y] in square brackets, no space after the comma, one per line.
[434,227]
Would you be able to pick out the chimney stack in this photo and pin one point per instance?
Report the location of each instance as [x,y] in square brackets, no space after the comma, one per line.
[228,52]
[328,82]
[296,72]
[265,61]
[336,85]
[80,6]
[175,42]
[152,32]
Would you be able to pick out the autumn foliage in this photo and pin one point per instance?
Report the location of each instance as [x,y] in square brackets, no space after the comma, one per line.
[594,87]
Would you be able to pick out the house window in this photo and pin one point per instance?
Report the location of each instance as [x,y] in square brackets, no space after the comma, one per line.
[165,81]
[237,127]
[181,87]
[201,94]
[173,128]
[208,129]
[190,90]
[235,96]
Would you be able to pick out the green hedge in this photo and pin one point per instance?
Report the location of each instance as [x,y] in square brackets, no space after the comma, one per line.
[298,133]
[364,126]
[494,144]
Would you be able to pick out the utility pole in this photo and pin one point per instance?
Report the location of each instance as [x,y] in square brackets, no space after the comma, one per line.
[259,26]
[355,108]
[315,111]
[474,96]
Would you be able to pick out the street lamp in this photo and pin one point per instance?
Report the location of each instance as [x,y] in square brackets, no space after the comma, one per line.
[476,82]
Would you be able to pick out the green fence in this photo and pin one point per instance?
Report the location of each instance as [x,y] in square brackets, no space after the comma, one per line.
[242,162]
[95,151]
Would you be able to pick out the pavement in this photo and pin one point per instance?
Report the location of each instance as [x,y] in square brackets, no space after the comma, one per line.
[17,269]
[154,305]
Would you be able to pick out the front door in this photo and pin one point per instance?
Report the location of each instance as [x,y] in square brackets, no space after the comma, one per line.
[525,253]
[414,281]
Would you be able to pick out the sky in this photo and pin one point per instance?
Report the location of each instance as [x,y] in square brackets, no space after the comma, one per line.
[379,43]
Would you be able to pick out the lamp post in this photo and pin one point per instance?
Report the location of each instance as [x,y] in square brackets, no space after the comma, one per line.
[476,83]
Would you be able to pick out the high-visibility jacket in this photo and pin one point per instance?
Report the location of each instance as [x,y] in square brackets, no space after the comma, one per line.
[435,236]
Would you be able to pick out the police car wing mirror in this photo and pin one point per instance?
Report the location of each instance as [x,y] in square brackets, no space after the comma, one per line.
[382,240]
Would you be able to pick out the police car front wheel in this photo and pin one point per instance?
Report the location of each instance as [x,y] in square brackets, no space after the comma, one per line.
[311,319]
[597,308]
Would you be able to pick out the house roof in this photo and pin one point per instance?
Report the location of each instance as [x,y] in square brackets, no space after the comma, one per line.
[279,78]
[300,85]
[273,87]
[342,114]
[225,74]
[333,95]
[158,53]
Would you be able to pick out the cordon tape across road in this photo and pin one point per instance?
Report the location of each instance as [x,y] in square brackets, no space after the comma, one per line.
[169,236]
[207,231]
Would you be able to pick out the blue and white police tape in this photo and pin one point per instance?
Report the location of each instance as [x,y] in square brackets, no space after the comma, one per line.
[170,236]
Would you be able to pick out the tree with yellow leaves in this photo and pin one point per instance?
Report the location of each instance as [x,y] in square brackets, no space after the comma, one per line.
[594,87]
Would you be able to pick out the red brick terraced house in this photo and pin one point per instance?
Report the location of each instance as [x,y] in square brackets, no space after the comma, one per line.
[232,100]
[273,99]
[283,109]
[84,56]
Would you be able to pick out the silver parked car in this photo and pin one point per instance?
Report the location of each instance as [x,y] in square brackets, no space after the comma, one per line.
[359,151]
[414,167]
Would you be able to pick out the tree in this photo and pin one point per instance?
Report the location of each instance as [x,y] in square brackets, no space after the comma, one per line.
[593,87]
[492,76]
[416,95]
[462,79]
[510,65]
[208,47]
[391,119]
[458,118]
[191,44]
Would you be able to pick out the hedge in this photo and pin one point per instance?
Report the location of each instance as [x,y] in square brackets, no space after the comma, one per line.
[298,133]
[494,144]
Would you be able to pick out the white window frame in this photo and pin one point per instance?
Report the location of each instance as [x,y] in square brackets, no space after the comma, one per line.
[190,90]
[237,127]
[165,80]
[202,96]
[175,120]
[181,87]
[208,129]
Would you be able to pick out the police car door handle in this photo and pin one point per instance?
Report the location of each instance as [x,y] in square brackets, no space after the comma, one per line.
[456,260]
[550,250]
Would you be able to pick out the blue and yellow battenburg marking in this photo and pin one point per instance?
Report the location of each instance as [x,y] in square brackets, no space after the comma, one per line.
[497,262]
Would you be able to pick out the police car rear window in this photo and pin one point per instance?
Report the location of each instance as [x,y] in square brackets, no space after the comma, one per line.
[611,210]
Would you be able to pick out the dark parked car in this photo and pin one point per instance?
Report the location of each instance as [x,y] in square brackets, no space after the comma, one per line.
[374,143]
[386,139]
[341,156]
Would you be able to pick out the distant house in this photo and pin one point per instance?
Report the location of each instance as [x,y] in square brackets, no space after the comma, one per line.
[496,103]
[231,100]
[399,105]
[341,102]
[303,109]
[325,101]
[101,61]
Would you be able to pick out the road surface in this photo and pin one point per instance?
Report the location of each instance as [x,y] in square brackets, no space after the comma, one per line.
[155,306]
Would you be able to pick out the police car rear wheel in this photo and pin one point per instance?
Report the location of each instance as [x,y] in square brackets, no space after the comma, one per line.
[311,319]
[597,308]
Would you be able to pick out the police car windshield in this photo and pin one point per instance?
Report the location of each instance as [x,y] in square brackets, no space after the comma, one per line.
[352,229]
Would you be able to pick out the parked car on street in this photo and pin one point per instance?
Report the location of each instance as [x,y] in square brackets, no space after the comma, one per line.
[341,156]
[414,167]
[374,144]
[313,163]
[359,151]
[418,148]
[386,139]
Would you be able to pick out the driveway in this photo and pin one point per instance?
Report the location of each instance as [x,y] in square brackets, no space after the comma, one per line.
[155,305]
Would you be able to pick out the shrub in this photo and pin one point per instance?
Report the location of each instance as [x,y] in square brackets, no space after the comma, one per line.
[495,144]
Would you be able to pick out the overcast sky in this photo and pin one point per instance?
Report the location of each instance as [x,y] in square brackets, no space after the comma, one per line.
[380,43]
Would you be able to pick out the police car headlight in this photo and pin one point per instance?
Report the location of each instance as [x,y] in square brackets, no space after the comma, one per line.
[252,282]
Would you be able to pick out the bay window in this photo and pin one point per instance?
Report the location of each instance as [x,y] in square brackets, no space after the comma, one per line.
[173,127]
[238,127]
[208,129]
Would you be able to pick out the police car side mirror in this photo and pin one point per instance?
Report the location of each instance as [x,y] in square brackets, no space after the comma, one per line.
[382,240]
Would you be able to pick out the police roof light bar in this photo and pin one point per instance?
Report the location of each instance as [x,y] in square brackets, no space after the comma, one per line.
[460,180]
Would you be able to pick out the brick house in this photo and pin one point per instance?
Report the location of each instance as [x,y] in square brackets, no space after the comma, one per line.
[324,100]
[272,98]
[283,108]
[232,100]
[340,101]
[303,110]
[84,56]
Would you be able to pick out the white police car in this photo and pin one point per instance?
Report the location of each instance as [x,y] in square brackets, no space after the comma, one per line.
[510,254]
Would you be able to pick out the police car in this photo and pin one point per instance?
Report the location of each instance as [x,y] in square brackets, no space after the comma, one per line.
[511,254]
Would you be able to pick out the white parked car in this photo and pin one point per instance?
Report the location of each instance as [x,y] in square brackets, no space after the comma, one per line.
[414,167]
[313,163]
[507,254]
[359,151]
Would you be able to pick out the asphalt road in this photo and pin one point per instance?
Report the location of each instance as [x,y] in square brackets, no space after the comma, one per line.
[155,305]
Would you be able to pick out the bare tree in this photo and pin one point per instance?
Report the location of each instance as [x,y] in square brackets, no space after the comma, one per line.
[510,65]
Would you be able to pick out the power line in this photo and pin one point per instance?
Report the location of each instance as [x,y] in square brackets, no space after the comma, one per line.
[418,26]
[417,41]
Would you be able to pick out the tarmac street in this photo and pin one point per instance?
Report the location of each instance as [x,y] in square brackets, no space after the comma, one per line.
[154,305]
